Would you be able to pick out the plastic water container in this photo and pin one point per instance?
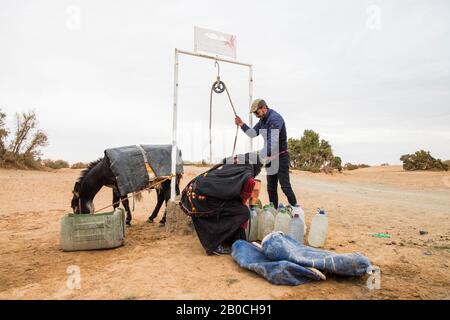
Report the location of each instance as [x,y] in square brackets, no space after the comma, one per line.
[259,213]
[268,222]
[272,209]
[296,228]
[252,234]
[319,227]
[282,221]
[92,231]
[261,222]
[298,210]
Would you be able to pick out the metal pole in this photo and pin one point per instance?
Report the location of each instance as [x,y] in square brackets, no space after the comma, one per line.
[174,128]
[213,58]
[250,91]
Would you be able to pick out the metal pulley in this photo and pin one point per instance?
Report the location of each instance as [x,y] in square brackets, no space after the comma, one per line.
[218,86]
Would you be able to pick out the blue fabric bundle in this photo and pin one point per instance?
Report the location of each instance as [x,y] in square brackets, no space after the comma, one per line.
[283,260]
[128,164]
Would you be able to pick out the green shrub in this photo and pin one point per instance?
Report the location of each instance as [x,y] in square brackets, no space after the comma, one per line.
[57,164]
[422,160]
[350,166]
[337,163]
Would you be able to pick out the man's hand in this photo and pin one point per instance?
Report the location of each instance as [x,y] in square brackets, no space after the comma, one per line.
[238,121]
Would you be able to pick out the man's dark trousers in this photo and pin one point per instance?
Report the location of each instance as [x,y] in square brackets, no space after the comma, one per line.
[283,177]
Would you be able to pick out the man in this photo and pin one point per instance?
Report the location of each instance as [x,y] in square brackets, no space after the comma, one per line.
[273,129]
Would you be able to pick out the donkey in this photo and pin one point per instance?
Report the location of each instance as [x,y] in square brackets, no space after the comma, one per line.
[99,174]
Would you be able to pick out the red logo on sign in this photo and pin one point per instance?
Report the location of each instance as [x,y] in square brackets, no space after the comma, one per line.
[231,43]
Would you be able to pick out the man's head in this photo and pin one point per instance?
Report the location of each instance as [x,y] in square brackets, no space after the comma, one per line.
[259,108]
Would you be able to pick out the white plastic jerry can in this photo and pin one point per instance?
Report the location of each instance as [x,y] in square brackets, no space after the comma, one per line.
[298,210]
[319,227]
[272,209]
[282,221]
[261,223]
[296,228]
[253,226]
[268,223]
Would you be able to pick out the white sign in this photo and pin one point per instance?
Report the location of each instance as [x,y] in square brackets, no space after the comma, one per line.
[214,42]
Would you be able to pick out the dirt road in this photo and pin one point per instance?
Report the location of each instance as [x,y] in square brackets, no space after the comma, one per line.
[157,265]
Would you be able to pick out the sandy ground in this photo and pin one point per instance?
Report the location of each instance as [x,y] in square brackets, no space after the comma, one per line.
[157,265]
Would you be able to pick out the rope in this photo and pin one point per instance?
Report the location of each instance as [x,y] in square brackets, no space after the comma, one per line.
[219,87]
[150,186]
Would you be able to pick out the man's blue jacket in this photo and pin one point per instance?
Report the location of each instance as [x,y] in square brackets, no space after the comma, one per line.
[273,143]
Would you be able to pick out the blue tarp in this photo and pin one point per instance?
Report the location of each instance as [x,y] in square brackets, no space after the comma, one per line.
[283,260]
[249,256]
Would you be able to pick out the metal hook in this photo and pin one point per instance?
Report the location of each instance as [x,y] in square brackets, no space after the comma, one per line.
[218,69]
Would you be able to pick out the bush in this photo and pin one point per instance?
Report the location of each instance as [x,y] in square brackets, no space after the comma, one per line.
[313,154]
[57,164]
[79,165]
[337,163]
[350,166]
[422,160]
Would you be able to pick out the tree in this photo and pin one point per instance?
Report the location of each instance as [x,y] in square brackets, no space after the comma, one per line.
[39,140]
[422,160]
[24,146]
[336,163]
[3,135]
[312,153]
[24,124]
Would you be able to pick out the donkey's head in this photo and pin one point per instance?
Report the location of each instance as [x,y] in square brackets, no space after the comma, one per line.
[88,184]
[75,203]
[80,205]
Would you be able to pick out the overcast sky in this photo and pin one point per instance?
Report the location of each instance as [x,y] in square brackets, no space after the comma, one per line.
[372,77]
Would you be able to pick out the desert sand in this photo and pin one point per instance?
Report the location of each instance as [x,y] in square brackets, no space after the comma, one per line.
[154,264]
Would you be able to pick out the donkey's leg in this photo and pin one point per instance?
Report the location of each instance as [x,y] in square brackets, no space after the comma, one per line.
[166,191]
[160,194]
[124,200]
[177,187]
[116,198]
